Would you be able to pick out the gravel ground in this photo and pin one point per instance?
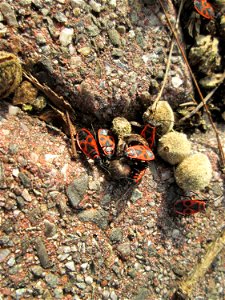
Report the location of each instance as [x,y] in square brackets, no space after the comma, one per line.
[67,232]
[100,55]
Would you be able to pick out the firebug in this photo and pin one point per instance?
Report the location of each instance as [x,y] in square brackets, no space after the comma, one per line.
[88,145]
[139,152]
[189,206]
[107,142]
[149,132]
[138,172]
[204,8]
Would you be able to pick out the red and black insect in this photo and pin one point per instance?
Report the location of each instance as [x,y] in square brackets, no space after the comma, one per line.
[107,142]
[204,8]
[148,133]
[88,145]
[189,206]
[138,172]
[139,152]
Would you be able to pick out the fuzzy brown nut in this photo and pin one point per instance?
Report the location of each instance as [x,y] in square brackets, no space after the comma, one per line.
[160,115]
[25,93]
[121,126]
[194,172]
[173,147]
[10,73]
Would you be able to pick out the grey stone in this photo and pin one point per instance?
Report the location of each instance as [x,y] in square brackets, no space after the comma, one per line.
[37,271]
[60,17]
[8,14]
[26,182]
[3,254]
[50,228]
[114,37]
[98,217]
[124,250]
[76,190]
[52,280]
[116,235]
[136,195]
[142,294]
[42,253]
[2,176]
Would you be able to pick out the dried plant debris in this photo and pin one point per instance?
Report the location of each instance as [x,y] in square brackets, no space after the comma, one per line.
[160,115]
[194,172]
[10,73]
[173,147]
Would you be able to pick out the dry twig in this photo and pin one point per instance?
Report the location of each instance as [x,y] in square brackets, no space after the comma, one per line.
[194,111]
[62,107]
[222,156]
[186,286]
[57,100]
[72,133]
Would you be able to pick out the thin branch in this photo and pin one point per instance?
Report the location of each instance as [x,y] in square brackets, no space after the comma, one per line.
[222,155]
[72,133]
[194,111]
[186,286]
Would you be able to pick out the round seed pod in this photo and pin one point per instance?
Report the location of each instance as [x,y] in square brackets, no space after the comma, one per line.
[26,93]
[194,172]
[160,115]
[10,73]
[173,147]
[121,126]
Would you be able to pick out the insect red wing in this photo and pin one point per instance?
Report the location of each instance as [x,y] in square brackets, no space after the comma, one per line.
[107,142]
[139,152]
[189,207]
[87,144]
[204,8]
[138,173]
[149,132]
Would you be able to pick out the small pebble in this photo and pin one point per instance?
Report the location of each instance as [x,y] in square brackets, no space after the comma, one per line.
[88,280]
[70,266]
[66,36]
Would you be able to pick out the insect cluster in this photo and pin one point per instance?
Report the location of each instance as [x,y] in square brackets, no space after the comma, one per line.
[125,157]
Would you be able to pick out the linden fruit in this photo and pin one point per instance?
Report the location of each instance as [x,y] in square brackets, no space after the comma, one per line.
[160,115]
[194,172]
[173,147]
[10,73]
[121,126]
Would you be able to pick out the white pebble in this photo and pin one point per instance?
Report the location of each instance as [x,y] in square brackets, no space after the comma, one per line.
[113,296]
[176,81]
[112,3]
[70,266]
[88,280]
[15,172]
[13,110]
[66,36]
[84,266]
